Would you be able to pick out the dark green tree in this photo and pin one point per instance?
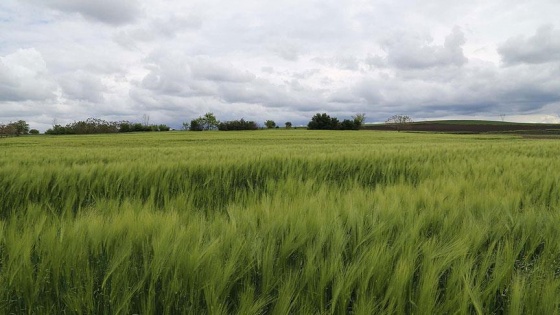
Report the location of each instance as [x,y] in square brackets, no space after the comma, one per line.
[348,124]
[323,122]
[196,125]
[241,124]
[210,121]
[163,127]
[206,122]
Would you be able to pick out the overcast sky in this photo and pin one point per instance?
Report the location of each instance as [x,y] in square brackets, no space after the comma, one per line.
[171,60]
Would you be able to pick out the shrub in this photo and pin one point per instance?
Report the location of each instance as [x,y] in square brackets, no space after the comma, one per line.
[323,122]
[238,125]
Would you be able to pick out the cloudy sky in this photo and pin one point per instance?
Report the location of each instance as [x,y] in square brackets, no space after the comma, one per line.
[171,60]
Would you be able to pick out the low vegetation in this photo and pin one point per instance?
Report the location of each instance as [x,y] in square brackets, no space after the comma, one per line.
[96,126]
[206,122]
[236,125]
[326,122]
[281,222]
[17,128]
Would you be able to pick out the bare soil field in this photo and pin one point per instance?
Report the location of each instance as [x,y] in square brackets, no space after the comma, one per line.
[472,126]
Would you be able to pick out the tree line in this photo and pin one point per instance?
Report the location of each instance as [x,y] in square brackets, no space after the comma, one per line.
[326,122]
[318,122]
[208,121]
[95,125]
[17,128]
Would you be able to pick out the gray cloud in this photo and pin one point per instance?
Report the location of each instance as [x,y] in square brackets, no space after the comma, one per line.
[106,11]
[476,88]
[174,73]
[542,47]
[204,84]
[82,86]
[204,68]
[413,51]
[283,60]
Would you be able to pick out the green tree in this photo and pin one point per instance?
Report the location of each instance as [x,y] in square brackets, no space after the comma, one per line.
[20,127]
[288,124]
[241,124]
[348,124]
[163,127]
[323,122]
[359,119]
[206,122]
[270,124]
[196,124]
[59,130]
[210,122]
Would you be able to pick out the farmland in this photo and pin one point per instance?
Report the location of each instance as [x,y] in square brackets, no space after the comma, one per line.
[279,222]
[475,126]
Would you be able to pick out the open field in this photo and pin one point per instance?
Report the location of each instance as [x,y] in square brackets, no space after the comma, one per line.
[279,222]
[475,126]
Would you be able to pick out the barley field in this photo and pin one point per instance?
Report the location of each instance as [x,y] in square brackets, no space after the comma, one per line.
[279,222]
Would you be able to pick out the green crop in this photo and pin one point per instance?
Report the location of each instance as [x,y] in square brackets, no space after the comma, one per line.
[279,222]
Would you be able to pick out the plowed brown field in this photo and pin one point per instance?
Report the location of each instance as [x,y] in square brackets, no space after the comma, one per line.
[472,127]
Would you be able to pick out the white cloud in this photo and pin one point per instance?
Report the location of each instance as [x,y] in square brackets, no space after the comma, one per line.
[24,76]
[287,49]
[158,29]
[542,47]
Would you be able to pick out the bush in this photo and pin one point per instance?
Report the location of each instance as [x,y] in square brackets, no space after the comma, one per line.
[323,122]
[60,130]
[348,124]
[238,125]
[94,126]
[163,128]
[196,125]
[6,130]
[206,122]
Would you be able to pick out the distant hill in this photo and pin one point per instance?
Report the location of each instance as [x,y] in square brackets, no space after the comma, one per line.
[472,126]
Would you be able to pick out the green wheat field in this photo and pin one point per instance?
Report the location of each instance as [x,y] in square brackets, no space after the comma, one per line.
[279,222]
